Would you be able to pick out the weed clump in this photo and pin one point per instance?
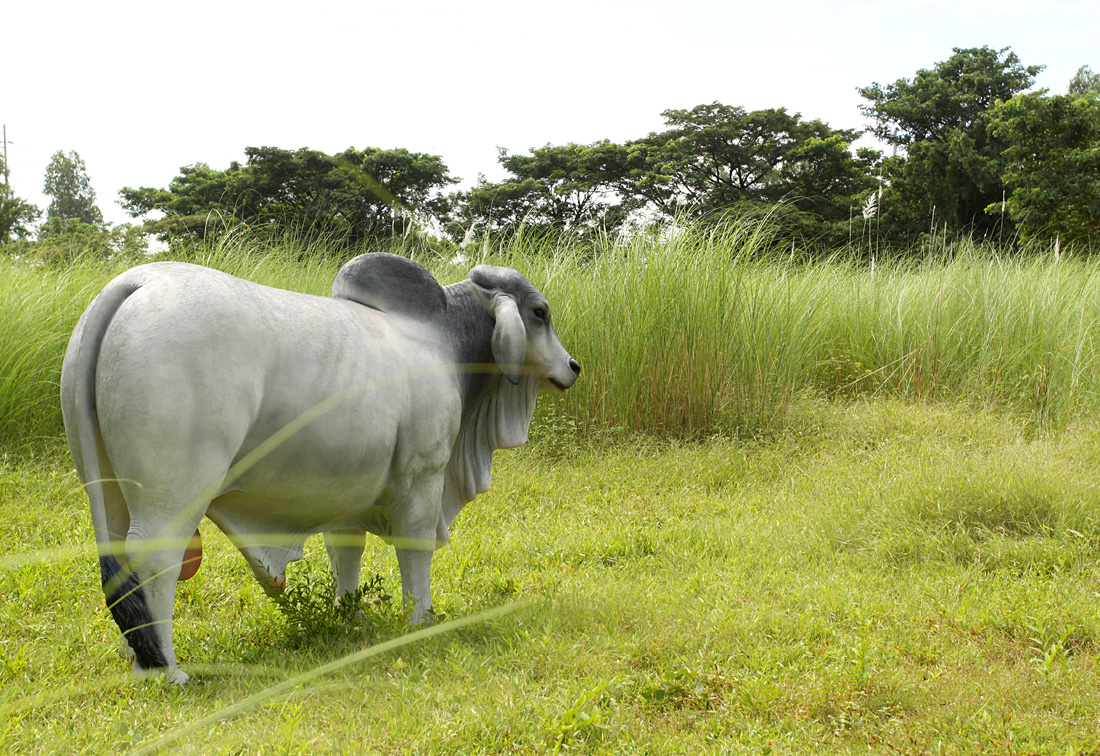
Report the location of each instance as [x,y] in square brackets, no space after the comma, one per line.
[314,614]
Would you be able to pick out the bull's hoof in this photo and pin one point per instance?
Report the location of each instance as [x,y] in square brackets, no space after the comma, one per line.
[173,675]
[273,585]
[425,618]
[177,676]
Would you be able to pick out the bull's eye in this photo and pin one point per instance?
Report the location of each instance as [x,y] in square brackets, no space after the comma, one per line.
[539,313]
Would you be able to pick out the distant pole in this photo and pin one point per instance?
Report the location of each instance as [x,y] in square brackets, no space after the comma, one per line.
[5,154]
[7,231]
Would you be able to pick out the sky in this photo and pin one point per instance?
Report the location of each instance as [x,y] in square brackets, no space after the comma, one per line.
[140,89]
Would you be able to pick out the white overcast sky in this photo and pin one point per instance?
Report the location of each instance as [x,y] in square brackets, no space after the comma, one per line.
[142,88]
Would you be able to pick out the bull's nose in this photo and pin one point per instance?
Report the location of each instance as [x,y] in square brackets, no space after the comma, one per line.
[574,366]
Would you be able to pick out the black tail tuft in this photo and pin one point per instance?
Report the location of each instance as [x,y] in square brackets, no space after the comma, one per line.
[127,604]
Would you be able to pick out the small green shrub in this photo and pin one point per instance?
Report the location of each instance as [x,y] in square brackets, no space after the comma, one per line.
[313,614]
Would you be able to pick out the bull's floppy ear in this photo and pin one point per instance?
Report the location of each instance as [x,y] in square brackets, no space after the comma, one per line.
[509,338]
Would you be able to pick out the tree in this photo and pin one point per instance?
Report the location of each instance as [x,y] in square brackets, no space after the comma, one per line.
[713,156]
[716,157]
[554,189]
[356,196]
[68,184]
[712,159]
[496,208]
[1084,83]
[1053,165]
[16,215]
[197,193]
[951,164]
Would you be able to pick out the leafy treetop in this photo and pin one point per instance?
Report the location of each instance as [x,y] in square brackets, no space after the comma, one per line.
[70,188]
[355,196]
[955,95]
[1053,165]
[1085,83]
[952,164]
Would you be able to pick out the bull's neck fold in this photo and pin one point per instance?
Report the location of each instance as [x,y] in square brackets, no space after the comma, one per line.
[495,413]
[468,330]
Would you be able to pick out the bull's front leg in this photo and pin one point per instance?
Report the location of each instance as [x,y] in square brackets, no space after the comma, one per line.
[345,552]
[414,537]
[416,581]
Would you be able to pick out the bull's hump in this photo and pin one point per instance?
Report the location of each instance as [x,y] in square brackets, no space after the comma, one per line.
[392,284]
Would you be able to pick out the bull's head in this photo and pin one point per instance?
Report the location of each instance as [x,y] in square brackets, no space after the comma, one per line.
[524,341]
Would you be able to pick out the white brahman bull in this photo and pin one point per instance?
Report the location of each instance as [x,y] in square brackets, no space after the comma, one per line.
[188,392]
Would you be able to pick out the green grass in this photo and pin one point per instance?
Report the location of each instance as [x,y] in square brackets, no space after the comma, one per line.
[878,577]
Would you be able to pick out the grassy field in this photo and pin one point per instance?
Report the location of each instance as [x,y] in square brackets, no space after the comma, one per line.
[885,577]
[788,508]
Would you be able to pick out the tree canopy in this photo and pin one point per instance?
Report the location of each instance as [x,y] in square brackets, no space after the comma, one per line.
[1052,154]
[16,214]
[715,157]
[355,196]
[951,164]
[1084,83]
[975,151]
[711,158]
[554,189]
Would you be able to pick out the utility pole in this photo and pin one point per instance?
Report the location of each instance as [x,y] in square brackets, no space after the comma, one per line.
[7,230]
[5,154]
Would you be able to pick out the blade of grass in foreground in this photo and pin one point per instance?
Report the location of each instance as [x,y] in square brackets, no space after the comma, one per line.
[251,702]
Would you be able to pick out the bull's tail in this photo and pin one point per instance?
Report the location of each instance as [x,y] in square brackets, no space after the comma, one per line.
[122,590]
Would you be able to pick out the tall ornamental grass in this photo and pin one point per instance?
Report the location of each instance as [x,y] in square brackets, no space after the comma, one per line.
[696,332]
[719,331]
[39,306]
[1013,333]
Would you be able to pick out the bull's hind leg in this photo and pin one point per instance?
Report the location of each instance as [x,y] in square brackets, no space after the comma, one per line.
[155,560]
[118,525]
[163,520]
